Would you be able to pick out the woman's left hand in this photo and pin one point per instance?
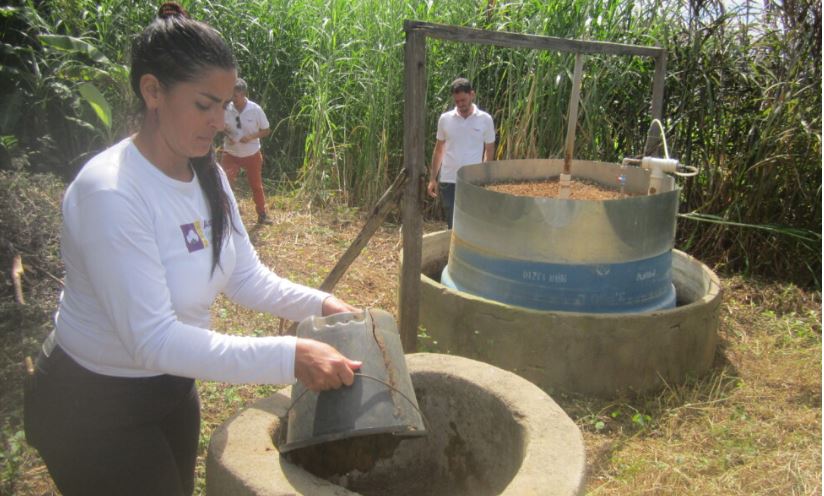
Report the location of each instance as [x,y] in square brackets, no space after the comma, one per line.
[333,305]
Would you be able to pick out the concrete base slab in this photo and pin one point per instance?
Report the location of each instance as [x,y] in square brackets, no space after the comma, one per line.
[490,432]
[604,355]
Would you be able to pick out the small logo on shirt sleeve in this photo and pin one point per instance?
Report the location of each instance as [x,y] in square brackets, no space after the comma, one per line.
[194,236]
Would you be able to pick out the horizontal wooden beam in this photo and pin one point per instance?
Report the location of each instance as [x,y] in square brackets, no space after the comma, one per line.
[517,40]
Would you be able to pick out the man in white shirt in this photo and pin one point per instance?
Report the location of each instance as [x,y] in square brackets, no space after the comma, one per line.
[466,135]
[245,123]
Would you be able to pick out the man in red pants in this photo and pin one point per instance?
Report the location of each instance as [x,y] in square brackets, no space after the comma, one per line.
[245,123]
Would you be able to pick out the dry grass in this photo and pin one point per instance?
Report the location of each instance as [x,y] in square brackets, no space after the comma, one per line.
[750,427]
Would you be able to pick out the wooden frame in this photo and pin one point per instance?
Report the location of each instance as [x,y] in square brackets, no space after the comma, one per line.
[414,127]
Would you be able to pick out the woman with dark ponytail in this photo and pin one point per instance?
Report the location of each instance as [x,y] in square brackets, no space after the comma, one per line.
[151,235]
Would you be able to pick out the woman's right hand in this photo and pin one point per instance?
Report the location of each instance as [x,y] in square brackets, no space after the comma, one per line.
[319,366]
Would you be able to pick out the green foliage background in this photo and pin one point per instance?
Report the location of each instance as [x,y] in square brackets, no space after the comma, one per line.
[743,99]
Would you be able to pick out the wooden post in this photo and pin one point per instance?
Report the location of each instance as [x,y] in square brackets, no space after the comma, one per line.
[414,112]
[652,147]
[658,81]
[572,113]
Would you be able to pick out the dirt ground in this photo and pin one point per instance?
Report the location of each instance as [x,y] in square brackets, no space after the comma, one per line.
[750,427]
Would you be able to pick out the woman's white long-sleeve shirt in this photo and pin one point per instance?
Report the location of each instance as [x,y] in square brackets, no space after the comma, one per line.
[139,285]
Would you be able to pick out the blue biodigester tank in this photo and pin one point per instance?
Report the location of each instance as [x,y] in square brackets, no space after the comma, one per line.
[592,256]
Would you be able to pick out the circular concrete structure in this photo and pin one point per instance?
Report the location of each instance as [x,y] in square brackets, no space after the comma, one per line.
[604,355]
[490,432]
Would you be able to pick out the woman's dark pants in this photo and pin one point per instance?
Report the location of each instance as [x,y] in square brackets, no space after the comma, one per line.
[103,435]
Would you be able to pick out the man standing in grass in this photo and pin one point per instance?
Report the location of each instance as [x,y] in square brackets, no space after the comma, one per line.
[466,135]
[245,123]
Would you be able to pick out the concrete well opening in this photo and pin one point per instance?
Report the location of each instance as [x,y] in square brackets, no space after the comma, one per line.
[490,432]
[458,456]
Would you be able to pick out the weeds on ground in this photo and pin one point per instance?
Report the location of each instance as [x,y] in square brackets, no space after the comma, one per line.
[29,227]
[750,426]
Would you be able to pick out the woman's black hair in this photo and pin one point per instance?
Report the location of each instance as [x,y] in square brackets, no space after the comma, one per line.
[175,48]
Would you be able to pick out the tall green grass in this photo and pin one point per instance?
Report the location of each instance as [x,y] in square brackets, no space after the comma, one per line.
[745,106]
[742,99]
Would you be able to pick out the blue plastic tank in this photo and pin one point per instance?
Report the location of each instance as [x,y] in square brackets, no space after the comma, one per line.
[588,256]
